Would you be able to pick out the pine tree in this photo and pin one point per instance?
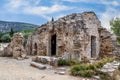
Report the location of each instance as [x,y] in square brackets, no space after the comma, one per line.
[11,32]
[52,19]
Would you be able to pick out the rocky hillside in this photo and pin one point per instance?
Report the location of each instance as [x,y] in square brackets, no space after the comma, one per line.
[17,26]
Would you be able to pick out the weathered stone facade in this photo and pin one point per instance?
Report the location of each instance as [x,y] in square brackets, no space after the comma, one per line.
[74,35]
[15,48]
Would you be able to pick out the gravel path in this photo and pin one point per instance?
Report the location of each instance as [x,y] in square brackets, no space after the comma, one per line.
[12,69]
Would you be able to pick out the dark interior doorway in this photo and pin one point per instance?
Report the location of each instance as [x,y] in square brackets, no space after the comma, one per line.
[93,46]
[53,45]
[35,48]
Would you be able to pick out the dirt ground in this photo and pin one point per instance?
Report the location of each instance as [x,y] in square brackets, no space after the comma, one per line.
[12,69]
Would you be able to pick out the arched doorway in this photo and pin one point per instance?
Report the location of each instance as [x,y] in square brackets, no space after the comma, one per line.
[53,45]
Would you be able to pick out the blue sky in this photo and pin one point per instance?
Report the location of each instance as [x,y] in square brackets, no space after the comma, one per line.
[41,11]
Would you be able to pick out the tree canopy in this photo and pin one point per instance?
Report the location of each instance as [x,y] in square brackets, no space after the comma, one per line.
[115,26]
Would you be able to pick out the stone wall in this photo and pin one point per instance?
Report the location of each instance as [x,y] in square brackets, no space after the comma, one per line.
[106,46]
[91,23]
[73,36]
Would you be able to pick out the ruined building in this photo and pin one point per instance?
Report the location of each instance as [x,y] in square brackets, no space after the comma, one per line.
[76,35]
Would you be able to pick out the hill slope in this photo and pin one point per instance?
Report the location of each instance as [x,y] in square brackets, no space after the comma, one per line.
[5,26]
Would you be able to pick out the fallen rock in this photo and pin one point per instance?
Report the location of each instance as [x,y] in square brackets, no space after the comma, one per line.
[19,58]
[46,60]
[111,68]
[96,77]
[38,65]
[60,72]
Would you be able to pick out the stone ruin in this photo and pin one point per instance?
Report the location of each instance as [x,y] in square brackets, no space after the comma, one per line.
[15,49]
[74,36]
[106,46]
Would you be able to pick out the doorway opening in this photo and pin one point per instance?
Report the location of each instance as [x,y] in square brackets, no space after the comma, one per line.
[35,49]
[53,45]
[93,46]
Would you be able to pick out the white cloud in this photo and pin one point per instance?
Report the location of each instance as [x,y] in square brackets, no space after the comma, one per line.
[110,3]
[45,10]
[60,15]
[15,4]
[37,2]
[110,10]
[32,7]
[105,2]
[108,15]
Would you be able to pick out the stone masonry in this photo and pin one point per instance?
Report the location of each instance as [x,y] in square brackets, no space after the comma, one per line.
[74,35]
[106,44]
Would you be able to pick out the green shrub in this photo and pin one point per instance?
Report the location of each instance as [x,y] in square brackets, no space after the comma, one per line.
[75,70]
[78,67]
[92,67]
[81,69]
[6,38]
[74,62]
[86,73]
[105,76]
[87,70]
[99,64]
[83,73]
[62,62]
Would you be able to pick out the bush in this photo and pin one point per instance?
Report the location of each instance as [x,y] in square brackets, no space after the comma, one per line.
[86,73]
[78,70]
[62,62]
[105,76]
[92,67]
[6,38]
[87,70]
[74,62]
[100,63]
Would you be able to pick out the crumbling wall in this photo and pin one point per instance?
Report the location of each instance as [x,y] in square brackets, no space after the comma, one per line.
[106,45]
[15,49]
